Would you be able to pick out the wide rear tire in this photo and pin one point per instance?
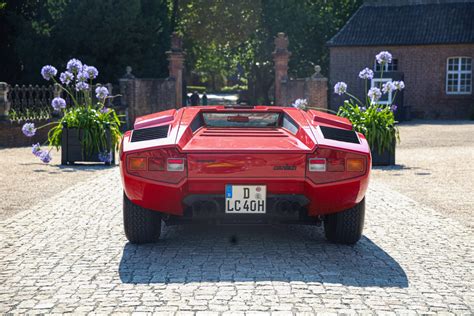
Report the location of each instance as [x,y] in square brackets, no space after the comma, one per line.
[345,227]
[141,225]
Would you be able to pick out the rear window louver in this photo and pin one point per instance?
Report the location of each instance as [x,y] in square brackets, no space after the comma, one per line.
[150,133]
[341,135]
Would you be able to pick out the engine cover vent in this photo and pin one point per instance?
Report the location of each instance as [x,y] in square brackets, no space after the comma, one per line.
[341,135]
[150,133]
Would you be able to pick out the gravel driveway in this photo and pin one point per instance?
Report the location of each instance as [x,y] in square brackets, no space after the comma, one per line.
[435,166]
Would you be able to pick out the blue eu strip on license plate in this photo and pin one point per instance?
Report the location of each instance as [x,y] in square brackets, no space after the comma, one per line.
[228,191]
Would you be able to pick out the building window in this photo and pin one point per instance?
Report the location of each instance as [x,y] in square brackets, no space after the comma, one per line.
[393,66]
[459,75]
[378,82]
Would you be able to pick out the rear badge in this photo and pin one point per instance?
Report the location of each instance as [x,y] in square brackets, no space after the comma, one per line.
[284,167]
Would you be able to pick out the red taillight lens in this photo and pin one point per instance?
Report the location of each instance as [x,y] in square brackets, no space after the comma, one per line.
[156,164]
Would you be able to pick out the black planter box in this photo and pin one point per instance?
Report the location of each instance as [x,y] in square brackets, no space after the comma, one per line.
[386,158]
[72,149]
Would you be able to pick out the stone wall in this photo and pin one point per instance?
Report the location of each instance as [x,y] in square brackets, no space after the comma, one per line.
[424,70]
[313,89]
[146,96]
[12,136]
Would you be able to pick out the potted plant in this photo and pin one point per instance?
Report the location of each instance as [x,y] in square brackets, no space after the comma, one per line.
[87,130]
[371,118]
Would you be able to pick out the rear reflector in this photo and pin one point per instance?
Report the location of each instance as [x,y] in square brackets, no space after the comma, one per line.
[175,164]
[137,163]
[355,165]
[317,164]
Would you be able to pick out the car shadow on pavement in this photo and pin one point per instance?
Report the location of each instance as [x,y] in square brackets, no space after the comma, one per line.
[208,253]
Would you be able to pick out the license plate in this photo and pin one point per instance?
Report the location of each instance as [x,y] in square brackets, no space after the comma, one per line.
[245,199]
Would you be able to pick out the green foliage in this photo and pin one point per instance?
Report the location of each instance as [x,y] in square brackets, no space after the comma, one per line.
[93,124]
[110,34]
[377,123]
[234,88]
[200,89]
[223,34]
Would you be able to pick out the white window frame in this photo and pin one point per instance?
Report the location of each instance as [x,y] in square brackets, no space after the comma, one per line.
[385,66]
[382,81]
[458,73]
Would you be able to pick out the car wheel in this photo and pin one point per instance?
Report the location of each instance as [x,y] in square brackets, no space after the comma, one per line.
[345,227]
[141,225]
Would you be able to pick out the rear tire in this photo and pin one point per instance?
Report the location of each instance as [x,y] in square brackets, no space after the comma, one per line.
[141,225]
[345,227]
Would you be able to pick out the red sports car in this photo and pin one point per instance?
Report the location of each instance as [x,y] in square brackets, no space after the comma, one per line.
[244,164]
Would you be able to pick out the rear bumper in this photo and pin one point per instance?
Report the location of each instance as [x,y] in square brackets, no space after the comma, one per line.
[175,199]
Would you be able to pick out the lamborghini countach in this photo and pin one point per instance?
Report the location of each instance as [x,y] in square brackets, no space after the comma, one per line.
[244,164]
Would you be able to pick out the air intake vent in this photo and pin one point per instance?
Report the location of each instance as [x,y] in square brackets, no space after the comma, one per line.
[339,134]
[150,133]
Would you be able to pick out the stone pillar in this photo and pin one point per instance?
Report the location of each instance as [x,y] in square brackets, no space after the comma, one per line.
[317,89]
[281,55]
[4,102]
[176,65]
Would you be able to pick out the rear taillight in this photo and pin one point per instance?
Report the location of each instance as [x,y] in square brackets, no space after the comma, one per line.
[355,165]
[164,165]
[137,163]
[327,165]
[175,164]
[317,164]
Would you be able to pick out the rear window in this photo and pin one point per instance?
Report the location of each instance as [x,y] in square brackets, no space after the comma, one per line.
[241,119]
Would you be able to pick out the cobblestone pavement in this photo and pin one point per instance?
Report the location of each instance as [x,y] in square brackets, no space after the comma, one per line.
[69,254]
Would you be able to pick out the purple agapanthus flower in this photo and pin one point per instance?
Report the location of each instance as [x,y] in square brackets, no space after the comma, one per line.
[29,129]
[82,76]
[105,156]
[58,104]
[374,94]
[45,156]
[362,108]
[104,110]
[74,65]
[379,110]
[101,92]
[300,104]
[366,73]
[82,86]
[36,149]
[399,85]
[384,57]
[90,71]
[388,87]
[66,77]
[48,72]
[393,108]
[340,88]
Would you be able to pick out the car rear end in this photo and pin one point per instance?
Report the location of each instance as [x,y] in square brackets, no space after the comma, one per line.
[244,165]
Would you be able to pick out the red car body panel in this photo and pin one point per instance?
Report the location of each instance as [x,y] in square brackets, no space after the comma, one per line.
[276,157]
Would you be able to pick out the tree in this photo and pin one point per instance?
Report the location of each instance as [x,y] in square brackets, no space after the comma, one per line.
[227,33]
[109,34]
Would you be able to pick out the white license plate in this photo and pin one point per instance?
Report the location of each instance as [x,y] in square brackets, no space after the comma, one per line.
[245,199]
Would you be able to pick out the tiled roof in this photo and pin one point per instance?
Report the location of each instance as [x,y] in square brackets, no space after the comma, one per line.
[446,23]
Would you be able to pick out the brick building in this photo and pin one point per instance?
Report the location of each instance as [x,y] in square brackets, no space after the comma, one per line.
[432,43]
